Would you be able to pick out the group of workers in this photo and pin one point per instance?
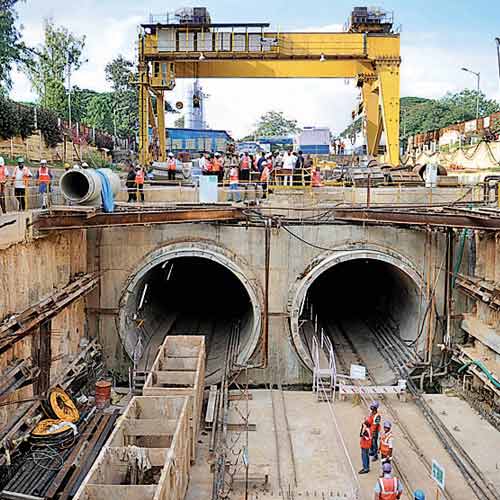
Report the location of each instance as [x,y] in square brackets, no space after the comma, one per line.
[21,177]
[377,439]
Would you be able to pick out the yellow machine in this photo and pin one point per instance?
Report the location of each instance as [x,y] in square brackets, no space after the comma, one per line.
[189,45]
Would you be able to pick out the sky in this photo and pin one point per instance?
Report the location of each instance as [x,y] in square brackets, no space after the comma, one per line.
[437,39]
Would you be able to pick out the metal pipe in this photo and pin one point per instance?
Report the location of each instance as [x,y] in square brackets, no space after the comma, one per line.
[84,186]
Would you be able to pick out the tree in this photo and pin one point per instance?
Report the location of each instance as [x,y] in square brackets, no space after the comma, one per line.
[12,49]
[124,98]
[180,122]
[61,52]
[99,112]
[274,123]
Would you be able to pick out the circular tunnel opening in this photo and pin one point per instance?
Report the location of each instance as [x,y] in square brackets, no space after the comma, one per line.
[190,295]
[75,185]
[366,300]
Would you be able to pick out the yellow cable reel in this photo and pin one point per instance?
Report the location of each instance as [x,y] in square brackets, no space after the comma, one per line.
[42,428]
[62,405]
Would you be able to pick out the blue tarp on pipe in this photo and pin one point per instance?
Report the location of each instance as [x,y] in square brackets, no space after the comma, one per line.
[108,201]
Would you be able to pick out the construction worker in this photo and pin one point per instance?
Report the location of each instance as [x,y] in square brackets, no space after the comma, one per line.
[419,495]
[4,177]
[375,424]
[67,166]
[22,176]
[139,182]
[130,184]
[171,166]
[386,443]
[218,167]
[44,177]
[234,192]
[316,177]
[388,487]
[264,178]
[365,436]
[85,165]
[245,165]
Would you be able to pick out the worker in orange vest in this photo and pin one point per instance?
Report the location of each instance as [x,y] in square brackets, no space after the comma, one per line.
[264,178]
[386,442]
[44,177]
[4,177]
[234,193]
[171,166]
[139,182]
[375,424]
[316,177]
[365,442]
[219,167]
[388,487]
[22,175]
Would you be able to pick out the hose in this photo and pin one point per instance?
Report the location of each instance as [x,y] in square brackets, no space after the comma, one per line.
[480,365]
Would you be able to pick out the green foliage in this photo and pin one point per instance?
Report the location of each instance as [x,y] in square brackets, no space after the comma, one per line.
[95,160]
[353,129]
[99,112]
[60,53]
[48,124]
[12,49]
[124,100]
[26,120]
[275,123]
[9,122]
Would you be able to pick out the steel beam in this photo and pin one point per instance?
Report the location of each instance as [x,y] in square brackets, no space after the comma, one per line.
[51,222]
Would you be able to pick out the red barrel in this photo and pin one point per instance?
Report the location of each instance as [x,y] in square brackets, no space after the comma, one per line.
[102,393]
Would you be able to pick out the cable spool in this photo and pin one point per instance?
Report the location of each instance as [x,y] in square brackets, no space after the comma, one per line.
[60,406]
[43,428]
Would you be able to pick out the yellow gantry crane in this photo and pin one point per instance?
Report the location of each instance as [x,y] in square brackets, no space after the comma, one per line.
[189,45]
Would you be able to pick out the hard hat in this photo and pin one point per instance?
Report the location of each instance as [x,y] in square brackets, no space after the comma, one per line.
[387,424]
[20,160]
[374,405]
[2,161]
[419,495]
[43,162]
[387,468]
[171,154]
[66,165]
[85,164]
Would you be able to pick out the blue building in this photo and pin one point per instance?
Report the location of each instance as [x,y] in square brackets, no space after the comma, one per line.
[196,141]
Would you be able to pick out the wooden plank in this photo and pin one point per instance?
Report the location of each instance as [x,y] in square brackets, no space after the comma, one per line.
[212,399]
[241,427]
[173,378]
[119,492]
[241,397]
[149,427]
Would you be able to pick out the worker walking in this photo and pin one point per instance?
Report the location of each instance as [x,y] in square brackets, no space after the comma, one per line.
[264,178]
[4,177]
[386,443]
[365,436]
[22,175]
[388,487]
[130,184]
[139,183]
[44,178]
[375,424]
[171,166]
[234,188]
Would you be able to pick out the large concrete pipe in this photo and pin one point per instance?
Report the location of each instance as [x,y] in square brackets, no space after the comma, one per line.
[83,186]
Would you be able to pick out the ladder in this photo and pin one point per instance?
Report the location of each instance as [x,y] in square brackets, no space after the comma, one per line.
[325,369]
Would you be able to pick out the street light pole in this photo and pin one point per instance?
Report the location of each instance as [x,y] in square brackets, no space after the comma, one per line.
[69,89]
[498,54]
[478,76]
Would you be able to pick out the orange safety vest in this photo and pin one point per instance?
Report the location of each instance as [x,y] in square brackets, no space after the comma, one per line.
[374,422]
[245,163]
[388,488]
[216,165]
[43,175]
[316,178]
[233,176]
[3,176]
[366,442]
[26,176]
[172,164]
[384,443]
[264,177]
[139,176]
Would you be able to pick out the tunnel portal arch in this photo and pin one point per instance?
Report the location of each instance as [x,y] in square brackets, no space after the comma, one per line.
[326,262]
[201,250]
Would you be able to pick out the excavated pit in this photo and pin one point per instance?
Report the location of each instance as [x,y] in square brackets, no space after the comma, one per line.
[189,296]
[359,294]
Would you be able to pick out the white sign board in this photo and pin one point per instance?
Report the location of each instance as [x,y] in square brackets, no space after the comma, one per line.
[438,474]
[358,372]
[208,189]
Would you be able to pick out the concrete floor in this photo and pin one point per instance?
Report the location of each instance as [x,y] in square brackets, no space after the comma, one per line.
[322,468]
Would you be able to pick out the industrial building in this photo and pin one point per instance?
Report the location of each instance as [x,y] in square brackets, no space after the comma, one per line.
[170,348]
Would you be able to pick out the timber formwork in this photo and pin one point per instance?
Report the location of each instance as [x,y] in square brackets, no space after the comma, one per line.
[179,370]
[146,456]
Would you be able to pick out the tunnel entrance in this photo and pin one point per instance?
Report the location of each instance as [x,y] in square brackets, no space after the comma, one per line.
[359,296]
[185,294]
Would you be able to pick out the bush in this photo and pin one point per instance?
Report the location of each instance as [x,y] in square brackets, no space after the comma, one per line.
[9,120]
[26,120]
[95,160]
[48,124]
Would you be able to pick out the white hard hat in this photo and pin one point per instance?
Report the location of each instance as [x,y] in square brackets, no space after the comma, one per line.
[217,154]
[85,164]
[170,154]
[43,162]
[2,161]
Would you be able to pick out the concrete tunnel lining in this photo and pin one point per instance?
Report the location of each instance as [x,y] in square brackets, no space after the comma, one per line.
[251,322]
[297,299]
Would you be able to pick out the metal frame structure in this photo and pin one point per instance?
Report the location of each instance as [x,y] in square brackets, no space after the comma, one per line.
[171,51]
